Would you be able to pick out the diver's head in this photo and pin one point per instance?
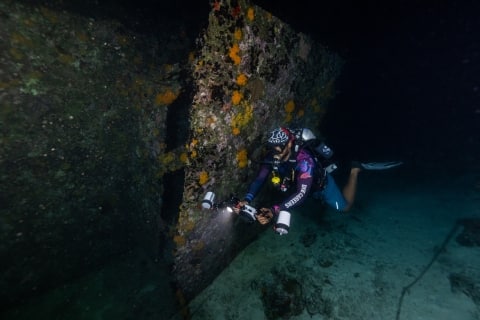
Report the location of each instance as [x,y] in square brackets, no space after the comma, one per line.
[280,142]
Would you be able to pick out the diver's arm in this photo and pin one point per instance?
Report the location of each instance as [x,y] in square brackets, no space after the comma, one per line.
[257,184]
[304,184]
[304,173]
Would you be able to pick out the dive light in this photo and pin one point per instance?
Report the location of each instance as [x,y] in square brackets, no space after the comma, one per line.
[208,200]
[246,211]
[283,222]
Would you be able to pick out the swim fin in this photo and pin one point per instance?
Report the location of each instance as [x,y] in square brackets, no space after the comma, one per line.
[377,165]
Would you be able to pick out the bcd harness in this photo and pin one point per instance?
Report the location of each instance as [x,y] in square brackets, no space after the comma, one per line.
[284,182]
[304,138]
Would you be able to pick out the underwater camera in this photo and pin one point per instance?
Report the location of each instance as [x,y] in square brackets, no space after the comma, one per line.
[246,212]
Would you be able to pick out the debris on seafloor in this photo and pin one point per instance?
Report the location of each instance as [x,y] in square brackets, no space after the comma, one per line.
[470,236]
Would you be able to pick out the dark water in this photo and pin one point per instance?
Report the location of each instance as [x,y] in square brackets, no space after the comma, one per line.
[410,86]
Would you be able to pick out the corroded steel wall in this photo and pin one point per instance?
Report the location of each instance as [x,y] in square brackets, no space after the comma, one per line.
[91,119]
[83,109]
[252,73]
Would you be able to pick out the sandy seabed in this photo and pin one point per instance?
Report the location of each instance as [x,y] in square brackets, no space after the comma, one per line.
[402,253]
[396,255]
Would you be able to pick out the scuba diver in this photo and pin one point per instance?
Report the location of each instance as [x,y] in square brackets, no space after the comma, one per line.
[298,165]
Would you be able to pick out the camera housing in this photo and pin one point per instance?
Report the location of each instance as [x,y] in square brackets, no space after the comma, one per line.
[248,213]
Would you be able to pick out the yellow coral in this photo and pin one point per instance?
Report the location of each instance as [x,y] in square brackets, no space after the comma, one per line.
[288,118]
[82,36]
[51,15]
[236,97]
[233,54]
[185,225]
[199,65]
[248,114]
[235,131]
[184,157]
[199,246]
[290,106]
[19,40]
[16,54]
[241,79]
[242,158]
[237,35]
[250,14]
[166,98]
[179,240]
[66,58]
[241,119]
[167,158]
[210,121]
[203,178]
[191,56]
[137,60]
[193,143]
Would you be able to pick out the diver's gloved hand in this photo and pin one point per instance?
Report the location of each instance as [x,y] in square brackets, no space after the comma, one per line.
[239,206]
[265,215]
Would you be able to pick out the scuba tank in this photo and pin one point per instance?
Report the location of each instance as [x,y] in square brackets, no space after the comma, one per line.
[305,138]
[321,153]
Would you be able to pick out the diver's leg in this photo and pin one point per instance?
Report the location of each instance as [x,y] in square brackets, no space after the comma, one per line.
[350,189]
